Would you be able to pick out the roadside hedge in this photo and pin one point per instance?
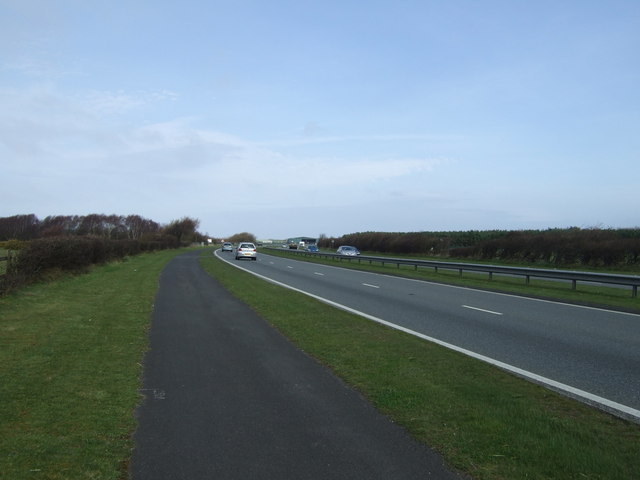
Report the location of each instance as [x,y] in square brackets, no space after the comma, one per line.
[75,254]
[570,247]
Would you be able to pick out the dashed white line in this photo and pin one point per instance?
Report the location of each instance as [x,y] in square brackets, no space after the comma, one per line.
[318,273]
[369,285]
[603,403]
[482,310]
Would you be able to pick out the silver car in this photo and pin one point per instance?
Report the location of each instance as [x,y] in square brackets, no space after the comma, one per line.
[246,250]
[348,250]
[227,247]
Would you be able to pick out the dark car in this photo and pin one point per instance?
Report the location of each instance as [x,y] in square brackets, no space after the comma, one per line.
[312,249]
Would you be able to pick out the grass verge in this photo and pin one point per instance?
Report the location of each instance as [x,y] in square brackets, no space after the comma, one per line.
[70,353]
[484,421]
[585,294]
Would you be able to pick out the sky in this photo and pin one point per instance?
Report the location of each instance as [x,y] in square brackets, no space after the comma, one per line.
[328,117]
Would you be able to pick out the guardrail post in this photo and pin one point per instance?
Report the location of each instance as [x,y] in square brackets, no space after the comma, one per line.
[527,279]
[634,293]
[573,284]
[490,276]
[460,272]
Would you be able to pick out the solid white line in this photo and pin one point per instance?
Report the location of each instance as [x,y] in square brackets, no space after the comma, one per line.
[369,285]
[482,310]
[576,393]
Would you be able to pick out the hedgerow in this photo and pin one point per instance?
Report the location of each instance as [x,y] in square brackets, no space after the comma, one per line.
[558,247]
[71,253]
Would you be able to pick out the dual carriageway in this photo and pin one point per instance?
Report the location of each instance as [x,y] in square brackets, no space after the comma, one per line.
[587,353]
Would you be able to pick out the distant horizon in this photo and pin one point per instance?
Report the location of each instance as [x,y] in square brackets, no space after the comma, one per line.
[284,237]
[442,231]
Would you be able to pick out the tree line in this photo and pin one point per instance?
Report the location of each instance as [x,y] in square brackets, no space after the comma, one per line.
[113,227]
[591,247]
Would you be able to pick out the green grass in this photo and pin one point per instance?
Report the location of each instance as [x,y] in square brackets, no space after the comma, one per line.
[70,353]
[595,295]
[484,421]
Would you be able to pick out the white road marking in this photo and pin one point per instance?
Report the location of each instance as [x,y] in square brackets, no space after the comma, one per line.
[369,285]
[318,273]
[586,397]
[458,287]
[482,310]
[289,266]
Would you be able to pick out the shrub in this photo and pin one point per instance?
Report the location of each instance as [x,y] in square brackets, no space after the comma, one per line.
[34,259]
[64,253]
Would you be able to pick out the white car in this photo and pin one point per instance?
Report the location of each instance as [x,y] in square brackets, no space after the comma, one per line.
[348,250]
[246,250]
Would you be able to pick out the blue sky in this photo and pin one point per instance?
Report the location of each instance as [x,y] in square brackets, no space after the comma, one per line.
[288,118]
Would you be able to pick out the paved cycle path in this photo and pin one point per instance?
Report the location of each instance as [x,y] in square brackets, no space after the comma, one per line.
[228,397]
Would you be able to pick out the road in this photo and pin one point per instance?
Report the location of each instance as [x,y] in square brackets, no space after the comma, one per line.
[228,397]
[596,351]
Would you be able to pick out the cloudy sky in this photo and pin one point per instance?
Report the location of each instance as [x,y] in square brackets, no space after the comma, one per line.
[306,117]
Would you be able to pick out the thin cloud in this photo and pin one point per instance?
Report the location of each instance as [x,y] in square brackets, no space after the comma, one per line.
[458,125]
[399,137]
[107,103]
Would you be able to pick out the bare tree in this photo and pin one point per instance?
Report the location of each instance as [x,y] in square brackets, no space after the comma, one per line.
[19,227]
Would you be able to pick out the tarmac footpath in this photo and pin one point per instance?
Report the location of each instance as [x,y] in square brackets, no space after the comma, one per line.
[228,397]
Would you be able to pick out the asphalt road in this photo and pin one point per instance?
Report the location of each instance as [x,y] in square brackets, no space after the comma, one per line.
[227,397]
[594,350]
